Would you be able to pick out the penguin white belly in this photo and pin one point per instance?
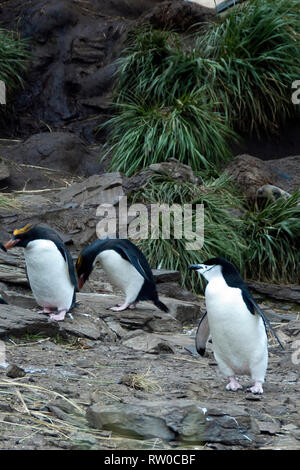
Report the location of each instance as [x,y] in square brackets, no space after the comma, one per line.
[48,275]
[239,338]
[121,273]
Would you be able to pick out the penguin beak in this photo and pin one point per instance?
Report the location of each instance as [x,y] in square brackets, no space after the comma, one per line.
[11,243]
[81,282]
[196,267]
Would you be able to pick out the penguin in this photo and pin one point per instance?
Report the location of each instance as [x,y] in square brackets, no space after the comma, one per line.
[236,324]
[49,268]
[270,193]
[126,267]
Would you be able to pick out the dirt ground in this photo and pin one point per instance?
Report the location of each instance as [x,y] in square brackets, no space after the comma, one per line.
[45,409]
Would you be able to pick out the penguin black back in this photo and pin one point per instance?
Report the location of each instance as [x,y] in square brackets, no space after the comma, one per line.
[127,251]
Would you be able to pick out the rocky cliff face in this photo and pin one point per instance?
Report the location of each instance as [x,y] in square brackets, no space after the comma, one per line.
[74,46]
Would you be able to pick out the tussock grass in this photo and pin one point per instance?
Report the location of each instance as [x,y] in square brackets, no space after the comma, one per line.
[257,49]
[222,232]
[263,244]
[191,101]
[188,130]
[14,56]
[273,238]
[162,108]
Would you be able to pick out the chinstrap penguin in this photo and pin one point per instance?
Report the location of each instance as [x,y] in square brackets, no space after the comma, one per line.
[236,324]
[49,268]
[126,267]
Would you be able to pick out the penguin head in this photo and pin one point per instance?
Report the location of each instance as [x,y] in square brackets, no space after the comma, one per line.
[29,232]
[84,266]
[21,237]
[215,267]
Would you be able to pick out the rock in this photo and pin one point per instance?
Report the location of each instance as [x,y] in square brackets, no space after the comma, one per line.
[95,190]
[166,275]
[73,53]
[171,168]
[290,293]
[267,427]
[249,173]
[146,316]
[175,291]
[116,328]
[64,411]
[149,343]
[181,420]
[186,313]
[13,274]
[179,16]
[292,329]
[72,48]
[163,323]
[87,326]
[18,299]
[14,371]
[17,321]
[287,170]
[46,159]
[176,170]
[4,172]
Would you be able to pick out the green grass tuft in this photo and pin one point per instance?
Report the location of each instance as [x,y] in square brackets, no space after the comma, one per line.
[190,101]
[273,241]
[14,56]
[188,130]
[222,232]
[257,47]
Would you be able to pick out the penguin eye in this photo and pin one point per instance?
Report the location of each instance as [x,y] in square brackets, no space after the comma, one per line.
[276,194]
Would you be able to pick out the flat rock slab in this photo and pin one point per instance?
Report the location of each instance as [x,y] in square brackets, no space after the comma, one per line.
[169,420]
[149,343]
[290,293]
[17,321]
[146,315]
[91,318]
[166,275]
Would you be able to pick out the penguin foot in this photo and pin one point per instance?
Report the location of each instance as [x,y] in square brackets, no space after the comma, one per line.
[60,316]
[132,306]
[46,310]
[233,385]
[119,308]
[256,389]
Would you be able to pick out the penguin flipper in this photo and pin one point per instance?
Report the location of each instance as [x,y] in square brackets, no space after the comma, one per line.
[265,319]
[202,335]
[69,260]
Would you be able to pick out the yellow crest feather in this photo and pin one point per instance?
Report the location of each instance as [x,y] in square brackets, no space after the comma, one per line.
[22,230]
